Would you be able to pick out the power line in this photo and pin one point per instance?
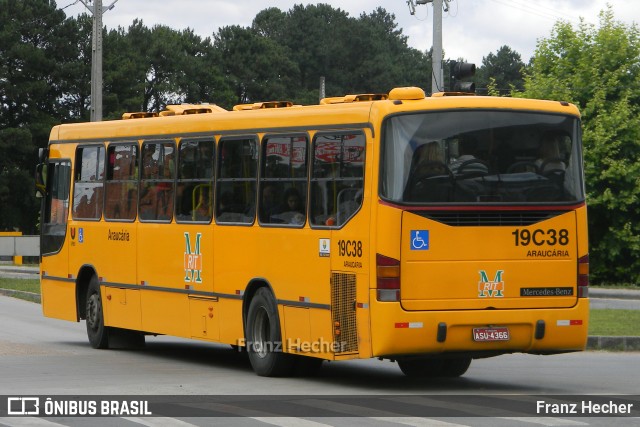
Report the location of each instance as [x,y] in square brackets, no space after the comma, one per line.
[550,14]
[69,5]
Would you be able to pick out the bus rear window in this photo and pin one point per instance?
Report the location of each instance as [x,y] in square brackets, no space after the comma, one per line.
[481,157]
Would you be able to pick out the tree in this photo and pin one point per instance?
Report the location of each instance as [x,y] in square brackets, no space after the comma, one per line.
[74,68]
[33,44]
[355,55]
[147,69]
[599,70]
[255,67]
[505,67]
[382,59]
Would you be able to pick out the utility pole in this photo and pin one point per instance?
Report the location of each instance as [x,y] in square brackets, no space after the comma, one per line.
[437,81]
[322,88]
[96,56]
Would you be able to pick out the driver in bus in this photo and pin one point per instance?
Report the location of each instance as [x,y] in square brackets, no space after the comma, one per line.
[467,147]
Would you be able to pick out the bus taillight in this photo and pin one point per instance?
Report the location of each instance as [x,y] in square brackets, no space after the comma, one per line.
[388,279]
[583,277]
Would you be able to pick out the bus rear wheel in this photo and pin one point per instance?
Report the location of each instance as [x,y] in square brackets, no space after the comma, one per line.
[264,339]
[96,331]
[421,367]
[455,367]
[434,367]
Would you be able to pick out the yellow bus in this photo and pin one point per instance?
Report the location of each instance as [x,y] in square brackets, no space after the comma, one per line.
[425,230]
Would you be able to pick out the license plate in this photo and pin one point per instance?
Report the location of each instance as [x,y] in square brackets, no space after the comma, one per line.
[490,334]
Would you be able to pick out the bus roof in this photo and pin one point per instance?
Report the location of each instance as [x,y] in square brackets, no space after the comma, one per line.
[350,111]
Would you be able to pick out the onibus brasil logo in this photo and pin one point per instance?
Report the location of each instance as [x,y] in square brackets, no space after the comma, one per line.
[192,259]
[491,288]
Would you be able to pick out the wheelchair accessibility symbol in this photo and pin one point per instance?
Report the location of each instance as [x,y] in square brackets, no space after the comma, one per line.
[419,240]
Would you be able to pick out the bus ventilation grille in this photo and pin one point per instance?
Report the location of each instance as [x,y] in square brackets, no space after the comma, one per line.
[489,218]
[343,312]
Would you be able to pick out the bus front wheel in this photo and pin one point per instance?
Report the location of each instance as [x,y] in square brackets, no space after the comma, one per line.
[264,339]
[96,331]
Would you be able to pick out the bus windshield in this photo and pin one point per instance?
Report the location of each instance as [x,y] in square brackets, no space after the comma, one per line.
[481,157]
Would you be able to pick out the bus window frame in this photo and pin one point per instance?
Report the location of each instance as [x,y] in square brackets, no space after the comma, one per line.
[262,179]
[136,181]
[218,170]
[211,181]
[74,181]
[363,178]
[162,142]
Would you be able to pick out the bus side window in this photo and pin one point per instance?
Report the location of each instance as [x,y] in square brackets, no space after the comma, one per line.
[194,189]
[236,181]
[88,182]
[337,177]
[283,180]
[156,183]
[121,189]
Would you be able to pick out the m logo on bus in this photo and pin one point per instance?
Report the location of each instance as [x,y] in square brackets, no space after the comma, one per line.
[192,259]
[491,288]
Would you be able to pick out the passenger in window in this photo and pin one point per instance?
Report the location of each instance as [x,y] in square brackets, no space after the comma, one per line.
[149,202]
[292,200]
[203,207]
[293,209]
[550,159]
[428,160]
[268,204]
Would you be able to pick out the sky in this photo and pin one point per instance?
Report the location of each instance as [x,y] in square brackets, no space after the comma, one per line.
[471,29]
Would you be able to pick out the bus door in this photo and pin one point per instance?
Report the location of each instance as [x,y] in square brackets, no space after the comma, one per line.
[338,202]
[58,291]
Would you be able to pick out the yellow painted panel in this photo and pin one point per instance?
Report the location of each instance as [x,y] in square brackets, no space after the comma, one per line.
[165,313]
[205,318]
[231,326]
[122,308]
[297,330]
[481,267]
[396,331]
[59,299]
[322,333]
[109,248]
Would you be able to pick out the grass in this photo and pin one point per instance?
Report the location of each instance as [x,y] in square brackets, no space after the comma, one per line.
[27,285]
[615,323]
[606,322]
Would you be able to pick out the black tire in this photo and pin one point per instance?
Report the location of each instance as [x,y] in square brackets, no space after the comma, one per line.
[96,331]
[435,367]
[263,337]
[455,367]
[421,367]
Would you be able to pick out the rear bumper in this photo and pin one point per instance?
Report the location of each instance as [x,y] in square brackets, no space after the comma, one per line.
[396,332]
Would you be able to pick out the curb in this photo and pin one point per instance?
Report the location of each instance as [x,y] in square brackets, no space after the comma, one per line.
[613,343]
[614,294]
[29,296]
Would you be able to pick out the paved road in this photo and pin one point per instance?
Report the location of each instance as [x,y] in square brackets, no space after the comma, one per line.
[47,357]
